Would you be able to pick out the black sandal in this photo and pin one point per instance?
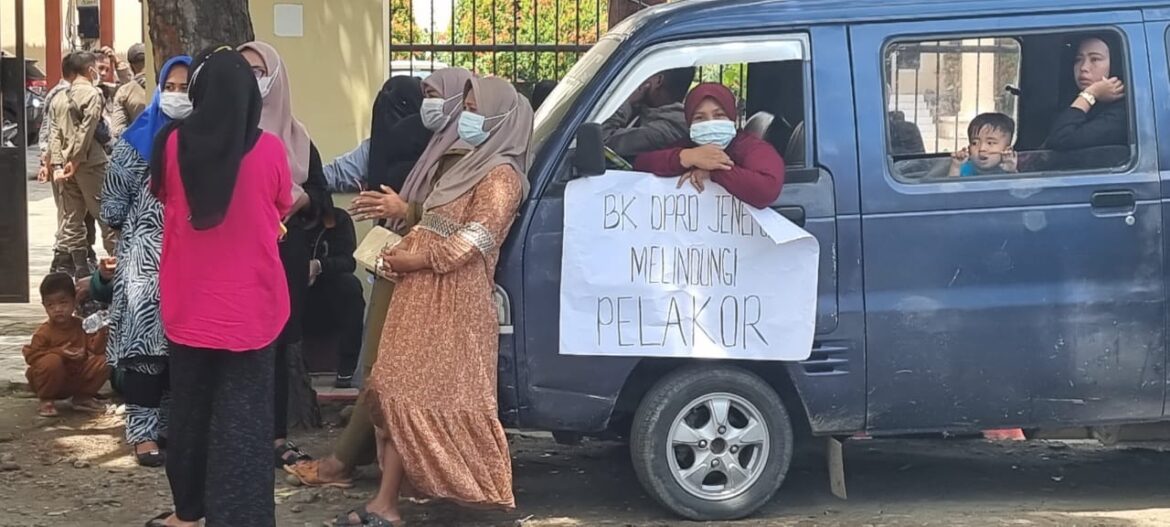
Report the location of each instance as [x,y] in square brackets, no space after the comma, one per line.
[343,519]
[151,458]
[297,456]
[159,521]
[367,518]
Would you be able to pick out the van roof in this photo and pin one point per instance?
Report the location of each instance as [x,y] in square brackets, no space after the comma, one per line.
[745,13]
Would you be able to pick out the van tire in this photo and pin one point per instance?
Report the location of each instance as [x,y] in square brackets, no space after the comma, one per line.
[695,389]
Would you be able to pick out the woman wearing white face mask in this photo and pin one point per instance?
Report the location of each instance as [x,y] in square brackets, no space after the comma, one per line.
[440,110]
[311,200]
[137,346]
[748,167]
[432,393]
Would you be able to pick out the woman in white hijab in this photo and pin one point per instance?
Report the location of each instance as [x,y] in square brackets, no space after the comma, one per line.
[311,200]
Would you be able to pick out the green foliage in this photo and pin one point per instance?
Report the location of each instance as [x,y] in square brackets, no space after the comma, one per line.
[501,25]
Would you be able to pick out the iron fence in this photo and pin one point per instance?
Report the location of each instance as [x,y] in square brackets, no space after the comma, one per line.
[524,40]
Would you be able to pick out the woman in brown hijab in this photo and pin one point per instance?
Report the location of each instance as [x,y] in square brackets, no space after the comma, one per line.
[432,393]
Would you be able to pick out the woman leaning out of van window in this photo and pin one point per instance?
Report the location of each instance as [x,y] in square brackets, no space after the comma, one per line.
[432,393]
[748,167]
[1097,116]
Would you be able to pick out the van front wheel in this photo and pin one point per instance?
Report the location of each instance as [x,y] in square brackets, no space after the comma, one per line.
[711,443]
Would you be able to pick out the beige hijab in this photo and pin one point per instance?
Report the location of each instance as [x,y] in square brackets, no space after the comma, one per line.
[508,117]
[277,117]
[451,82]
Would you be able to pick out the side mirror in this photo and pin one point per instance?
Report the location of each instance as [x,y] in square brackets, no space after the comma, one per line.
[589,159]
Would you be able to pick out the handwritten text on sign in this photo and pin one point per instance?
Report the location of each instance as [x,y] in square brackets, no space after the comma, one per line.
[651,270]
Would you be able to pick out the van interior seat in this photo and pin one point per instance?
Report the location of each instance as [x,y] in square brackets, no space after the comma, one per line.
[759,124]
[794,152]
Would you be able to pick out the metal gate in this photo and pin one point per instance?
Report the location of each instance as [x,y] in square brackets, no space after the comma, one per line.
[13,176]
[526,41]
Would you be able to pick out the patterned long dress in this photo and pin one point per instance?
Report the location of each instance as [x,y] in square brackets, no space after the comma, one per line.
[137,342]
[433,388]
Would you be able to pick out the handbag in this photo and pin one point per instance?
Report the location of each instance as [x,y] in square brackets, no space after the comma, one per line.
[369,252]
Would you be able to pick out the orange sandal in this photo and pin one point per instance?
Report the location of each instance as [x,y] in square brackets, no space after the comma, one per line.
[309,472]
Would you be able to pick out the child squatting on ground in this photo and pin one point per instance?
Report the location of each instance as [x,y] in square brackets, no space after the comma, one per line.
[64,362]
[990,150]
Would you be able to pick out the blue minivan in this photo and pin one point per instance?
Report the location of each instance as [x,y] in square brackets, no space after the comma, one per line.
[1028,296]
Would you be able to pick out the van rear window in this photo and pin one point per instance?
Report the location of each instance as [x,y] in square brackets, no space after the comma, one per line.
[1007,106]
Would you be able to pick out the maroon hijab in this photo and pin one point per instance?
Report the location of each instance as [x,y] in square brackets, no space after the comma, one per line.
[711,90]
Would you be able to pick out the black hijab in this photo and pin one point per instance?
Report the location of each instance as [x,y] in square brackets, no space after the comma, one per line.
[397,135]
[223,126]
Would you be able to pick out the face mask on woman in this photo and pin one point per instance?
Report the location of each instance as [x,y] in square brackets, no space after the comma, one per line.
[176,105]
[432,113]
[719,132]
[471,126]
[265,84]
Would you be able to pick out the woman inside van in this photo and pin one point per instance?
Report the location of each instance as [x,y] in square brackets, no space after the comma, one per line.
[719,151]
[1097,116]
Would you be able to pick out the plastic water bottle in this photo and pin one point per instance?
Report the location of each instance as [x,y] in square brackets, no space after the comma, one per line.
[95,322]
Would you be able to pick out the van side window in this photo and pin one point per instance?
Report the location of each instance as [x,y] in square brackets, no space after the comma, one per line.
[1007,106]
[644,110]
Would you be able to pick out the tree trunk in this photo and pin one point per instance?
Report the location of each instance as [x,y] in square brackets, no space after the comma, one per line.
[186,26]
[622,9]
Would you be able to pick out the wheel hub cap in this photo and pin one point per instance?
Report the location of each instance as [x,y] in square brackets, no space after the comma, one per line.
[718,446]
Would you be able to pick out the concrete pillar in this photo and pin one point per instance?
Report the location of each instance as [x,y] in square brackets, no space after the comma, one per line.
[53,39]
[107,21]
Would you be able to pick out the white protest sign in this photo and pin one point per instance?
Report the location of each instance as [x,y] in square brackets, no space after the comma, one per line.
[651,270]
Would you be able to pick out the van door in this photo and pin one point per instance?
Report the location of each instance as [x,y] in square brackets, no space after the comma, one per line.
[1028,290]
[1158,38]
[580,391]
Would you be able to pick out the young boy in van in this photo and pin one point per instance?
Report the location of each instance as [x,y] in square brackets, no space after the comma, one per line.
[990,148]
[64,362]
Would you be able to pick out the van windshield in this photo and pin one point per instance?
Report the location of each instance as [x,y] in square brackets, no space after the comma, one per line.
[568,89]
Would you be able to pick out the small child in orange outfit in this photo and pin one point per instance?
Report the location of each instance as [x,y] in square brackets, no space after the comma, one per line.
[63,361]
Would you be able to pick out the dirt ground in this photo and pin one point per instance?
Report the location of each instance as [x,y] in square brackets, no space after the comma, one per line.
[73,470]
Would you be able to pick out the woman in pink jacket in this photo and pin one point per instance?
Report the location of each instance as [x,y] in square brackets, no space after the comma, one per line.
[224,186]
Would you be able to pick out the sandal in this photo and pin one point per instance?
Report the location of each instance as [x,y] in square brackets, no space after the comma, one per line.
[90,406]
[47,410]
[151,458]
[309,472]
[159,521]
[343,519]
[286,462]
[367,519]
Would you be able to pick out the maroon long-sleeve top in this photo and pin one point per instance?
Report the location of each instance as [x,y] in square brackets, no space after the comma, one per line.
[758,175]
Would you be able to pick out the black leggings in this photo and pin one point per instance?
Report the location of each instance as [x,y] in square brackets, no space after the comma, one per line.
[219,460]
[294,256]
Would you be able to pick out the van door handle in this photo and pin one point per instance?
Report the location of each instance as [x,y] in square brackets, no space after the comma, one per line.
[1114,201]
[793,214]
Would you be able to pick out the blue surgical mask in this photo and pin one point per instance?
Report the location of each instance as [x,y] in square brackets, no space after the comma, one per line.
[471,128]
[719,132]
